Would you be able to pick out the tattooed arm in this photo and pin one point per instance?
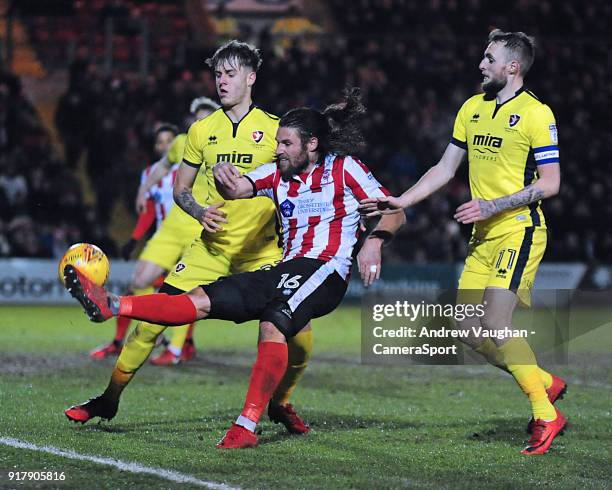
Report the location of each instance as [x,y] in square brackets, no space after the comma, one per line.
[480,209]
[209,217]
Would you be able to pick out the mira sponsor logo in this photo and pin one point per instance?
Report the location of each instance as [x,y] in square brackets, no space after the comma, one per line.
[487,140]
[235,157]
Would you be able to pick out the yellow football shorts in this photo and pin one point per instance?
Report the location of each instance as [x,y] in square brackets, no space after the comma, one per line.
[507,261]
[203,264]
[168,244]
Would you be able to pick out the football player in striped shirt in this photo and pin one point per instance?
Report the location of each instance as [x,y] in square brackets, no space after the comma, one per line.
[242,133]
[510,138]
[315,187]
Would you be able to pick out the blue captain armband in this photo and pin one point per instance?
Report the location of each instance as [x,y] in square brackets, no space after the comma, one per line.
[546,154]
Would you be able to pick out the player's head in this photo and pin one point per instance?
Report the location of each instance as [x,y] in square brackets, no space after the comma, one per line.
[508,55]
[164,135]
[296,147]
[335,130]
[203,107]
[235,65]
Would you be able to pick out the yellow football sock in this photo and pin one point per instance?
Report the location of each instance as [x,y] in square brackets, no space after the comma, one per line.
[138,347]
[546,377]
[521,363]
[491,353]
[179,334]
[299,350]
[119,380]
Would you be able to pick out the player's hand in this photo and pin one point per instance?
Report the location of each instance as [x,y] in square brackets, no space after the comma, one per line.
[128,248]
[474,210]
[369,260]
[211,217]
[227,175]
[376,206]
[141,202]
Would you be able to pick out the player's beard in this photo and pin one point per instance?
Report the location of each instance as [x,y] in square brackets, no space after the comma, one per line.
[295,166]
[494,85]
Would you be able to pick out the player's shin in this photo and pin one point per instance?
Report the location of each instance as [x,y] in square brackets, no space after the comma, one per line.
[299,352]
[267,372]
[492,354]
[520,361]
[135,352]
[159,308]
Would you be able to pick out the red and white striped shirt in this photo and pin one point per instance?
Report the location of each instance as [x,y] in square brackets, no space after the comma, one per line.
[161,193]
[318,211]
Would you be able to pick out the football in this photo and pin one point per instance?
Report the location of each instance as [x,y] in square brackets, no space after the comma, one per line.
[89,259]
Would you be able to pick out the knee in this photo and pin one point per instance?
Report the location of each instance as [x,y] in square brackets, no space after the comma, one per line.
[201,301]
[140,281]
[268,332]
[145,333]
[280,316]
[491,321]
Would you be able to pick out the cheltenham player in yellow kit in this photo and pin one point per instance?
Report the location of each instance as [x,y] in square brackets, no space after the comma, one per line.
[175,230]
[510,138]
[173,240]
[237,236]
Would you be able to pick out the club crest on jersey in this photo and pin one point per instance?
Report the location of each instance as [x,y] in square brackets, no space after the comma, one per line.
[514,119]
[257,136]
[287,208]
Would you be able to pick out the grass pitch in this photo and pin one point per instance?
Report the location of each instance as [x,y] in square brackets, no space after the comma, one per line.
[372,426]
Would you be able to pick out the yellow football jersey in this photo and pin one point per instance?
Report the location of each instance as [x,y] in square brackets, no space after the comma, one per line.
[505,145]
[247,145]
[178,220]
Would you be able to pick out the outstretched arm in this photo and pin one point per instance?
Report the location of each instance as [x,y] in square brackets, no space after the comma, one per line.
[435,178]
[230,183]
[209,217]
[480,209]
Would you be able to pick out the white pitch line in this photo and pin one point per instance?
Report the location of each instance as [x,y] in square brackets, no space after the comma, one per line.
[121,465]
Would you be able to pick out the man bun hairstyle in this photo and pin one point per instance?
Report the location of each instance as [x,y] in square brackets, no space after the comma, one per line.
[345,137]
[520,45]
[236,54]
[336,127]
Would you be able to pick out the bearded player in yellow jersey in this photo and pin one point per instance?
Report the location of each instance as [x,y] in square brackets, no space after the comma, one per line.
[510,138]
[236,237]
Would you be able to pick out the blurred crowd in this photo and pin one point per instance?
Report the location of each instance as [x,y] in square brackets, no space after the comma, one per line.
[416,62]
[41,205]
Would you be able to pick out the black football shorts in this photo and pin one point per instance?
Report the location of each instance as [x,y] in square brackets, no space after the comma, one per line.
[301,288]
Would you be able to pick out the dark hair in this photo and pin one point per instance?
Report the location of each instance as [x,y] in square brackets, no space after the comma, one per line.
[166,127]
[520,45]
[204,103]
[236,53]
[336,127]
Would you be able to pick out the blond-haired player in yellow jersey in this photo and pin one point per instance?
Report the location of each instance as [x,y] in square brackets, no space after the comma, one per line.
[510,138]
[236,236]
